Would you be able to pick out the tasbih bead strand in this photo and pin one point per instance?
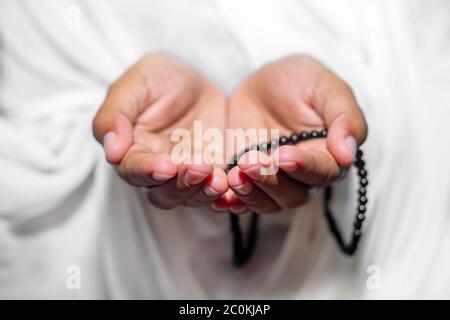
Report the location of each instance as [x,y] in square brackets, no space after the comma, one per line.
[242,252]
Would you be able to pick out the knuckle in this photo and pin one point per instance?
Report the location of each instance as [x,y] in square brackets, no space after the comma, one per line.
[95,121]
[327,179]
[363,129]
[124,170]
[96,125]
[358,126]
[124,174]
[131,177]
[334,176]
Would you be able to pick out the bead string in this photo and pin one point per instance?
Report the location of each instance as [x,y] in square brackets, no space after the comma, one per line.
[242,252]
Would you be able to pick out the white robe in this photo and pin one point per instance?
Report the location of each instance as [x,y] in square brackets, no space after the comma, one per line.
[62,205]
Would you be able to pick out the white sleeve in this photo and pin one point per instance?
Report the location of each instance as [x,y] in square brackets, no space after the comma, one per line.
[55,66]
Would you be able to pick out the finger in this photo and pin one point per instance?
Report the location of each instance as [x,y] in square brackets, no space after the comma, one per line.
[285,191]
[214,186]
[229,202]
[346,124]
[249,194]
[143,169]
[113,123]
[313,167]
[173,193]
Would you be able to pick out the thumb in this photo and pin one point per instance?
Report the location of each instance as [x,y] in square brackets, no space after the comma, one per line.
[113,123]
[347,128]
[114,132]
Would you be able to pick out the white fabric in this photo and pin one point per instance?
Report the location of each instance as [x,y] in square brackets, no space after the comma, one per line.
[62,205]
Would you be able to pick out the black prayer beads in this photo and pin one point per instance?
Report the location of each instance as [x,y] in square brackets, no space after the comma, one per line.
[242,252]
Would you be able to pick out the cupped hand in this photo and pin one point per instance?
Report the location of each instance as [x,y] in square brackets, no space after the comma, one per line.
[156,96]
[293,94]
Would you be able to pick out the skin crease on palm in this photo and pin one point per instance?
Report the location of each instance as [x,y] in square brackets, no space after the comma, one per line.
[160,94]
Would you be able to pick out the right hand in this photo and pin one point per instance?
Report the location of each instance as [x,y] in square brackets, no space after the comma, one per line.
[154,97]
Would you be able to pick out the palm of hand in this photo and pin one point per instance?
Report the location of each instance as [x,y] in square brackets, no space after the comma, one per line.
[182,96]
[291,95]
[154,98]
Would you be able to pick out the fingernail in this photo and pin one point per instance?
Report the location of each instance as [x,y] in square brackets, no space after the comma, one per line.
[109,142]
[244,189]
[194,177]
[157,176]
[289,166]
[210,192]
[351,146]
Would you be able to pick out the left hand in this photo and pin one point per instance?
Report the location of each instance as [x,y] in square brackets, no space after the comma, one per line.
[293,94]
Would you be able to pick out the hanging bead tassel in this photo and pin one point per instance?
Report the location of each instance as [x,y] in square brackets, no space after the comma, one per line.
[242,251]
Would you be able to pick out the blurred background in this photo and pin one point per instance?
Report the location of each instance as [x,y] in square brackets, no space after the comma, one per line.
[69,228]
